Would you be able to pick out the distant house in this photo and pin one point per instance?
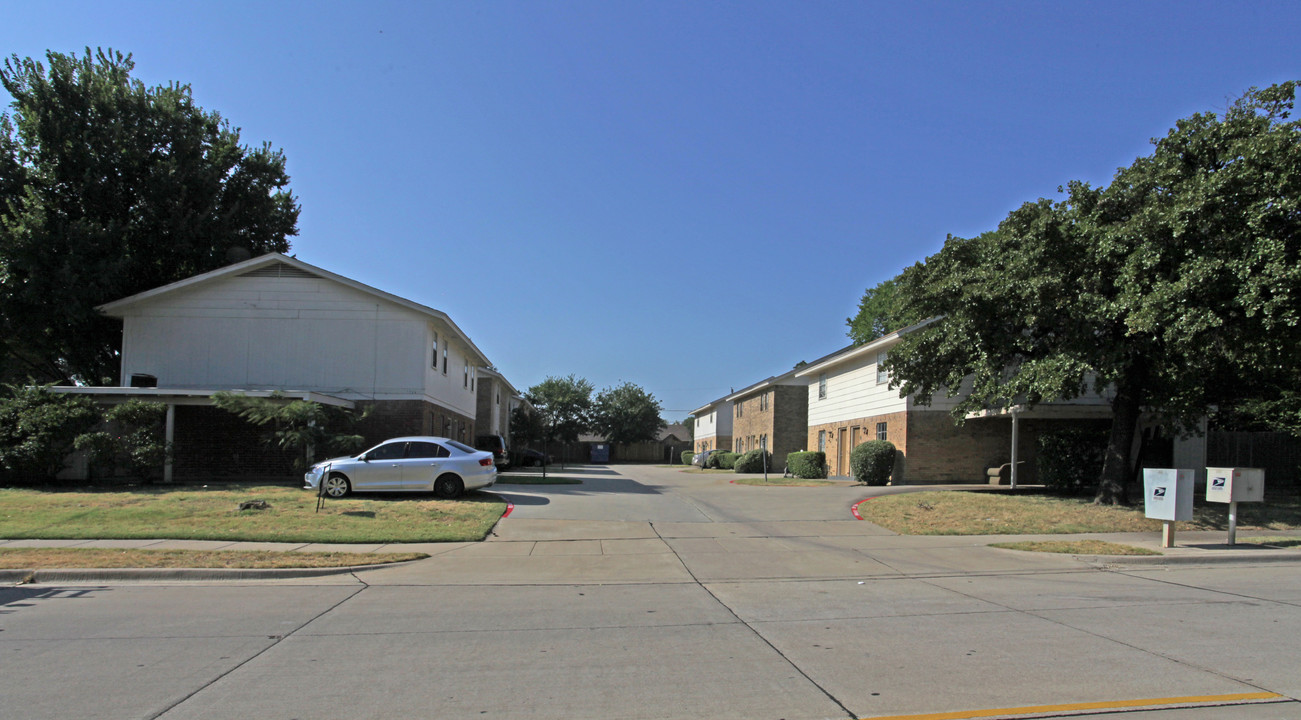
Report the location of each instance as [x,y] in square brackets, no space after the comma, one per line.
[275,324]
[713,428]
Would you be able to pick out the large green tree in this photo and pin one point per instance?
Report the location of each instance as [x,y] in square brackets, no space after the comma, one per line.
[880,312]
[563,405]
[109,188]
[627,414]
[1173,286]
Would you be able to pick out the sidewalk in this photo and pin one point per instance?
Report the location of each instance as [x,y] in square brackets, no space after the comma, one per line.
[1191,547]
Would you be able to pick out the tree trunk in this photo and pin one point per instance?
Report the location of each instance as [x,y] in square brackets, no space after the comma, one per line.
[1115,466]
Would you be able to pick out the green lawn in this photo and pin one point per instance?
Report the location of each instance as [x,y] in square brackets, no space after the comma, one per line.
[211,513]
[989,513]
[50,558]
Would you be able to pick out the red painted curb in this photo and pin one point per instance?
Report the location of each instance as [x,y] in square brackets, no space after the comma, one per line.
[511,506]
[854,509]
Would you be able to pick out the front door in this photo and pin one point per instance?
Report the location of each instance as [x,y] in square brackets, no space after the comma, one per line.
[842,452]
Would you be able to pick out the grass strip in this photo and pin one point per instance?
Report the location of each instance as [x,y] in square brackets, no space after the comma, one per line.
[1280,542]
[996,513]
[785,482]
[1076,547]
[212,513]
[81,558]
[526,480]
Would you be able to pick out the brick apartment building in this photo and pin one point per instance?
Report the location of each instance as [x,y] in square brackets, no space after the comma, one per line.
[771,414]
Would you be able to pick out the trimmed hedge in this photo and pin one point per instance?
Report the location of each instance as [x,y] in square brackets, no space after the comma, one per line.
[872,462]
[688,456]
[807,465]
[753,462]
[726,460]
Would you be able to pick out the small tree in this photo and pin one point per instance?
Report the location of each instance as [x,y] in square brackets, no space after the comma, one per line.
[627,414]
[872,462]
[38,430]
[296,425]
[135,439]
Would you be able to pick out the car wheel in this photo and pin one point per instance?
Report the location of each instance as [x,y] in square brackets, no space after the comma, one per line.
[337,486]
[448,487]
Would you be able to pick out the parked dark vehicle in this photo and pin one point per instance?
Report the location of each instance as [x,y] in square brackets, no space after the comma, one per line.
[702,459]
[529,458]
[496,445]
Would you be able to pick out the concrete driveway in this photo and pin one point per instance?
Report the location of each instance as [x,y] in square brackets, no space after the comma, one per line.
[651,593]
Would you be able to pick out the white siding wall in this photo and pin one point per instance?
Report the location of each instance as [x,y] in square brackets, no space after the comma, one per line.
[288,333]
[707,426]
[852,392]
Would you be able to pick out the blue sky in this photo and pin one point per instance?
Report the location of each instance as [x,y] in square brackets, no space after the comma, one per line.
[690,196]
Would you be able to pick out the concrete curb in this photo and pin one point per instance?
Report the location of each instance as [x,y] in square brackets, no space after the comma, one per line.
[1244,559]
[73,575]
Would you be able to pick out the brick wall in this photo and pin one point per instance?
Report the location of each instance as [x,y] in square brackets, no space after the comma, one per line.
[896,432]
[941,452]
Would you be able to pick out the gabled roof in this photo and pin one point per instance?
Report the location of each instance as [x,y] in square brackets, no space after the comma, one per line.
[280,265]
[708,405]
[856,351]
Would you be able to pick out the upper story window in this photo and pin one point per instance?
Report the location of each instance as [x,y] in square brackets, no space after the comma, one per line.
[739,405]
[465,375]
[764,402]
[444,359]
[882,377]
[434,360]
[822,386]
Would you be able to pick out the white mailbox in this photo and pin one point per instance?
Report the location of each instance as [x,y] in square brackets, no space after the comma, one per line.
[1168,494]
[1234,485]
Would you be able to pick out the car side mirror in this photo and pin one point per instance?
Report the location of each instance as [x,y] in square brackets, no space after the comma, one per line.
[363,457]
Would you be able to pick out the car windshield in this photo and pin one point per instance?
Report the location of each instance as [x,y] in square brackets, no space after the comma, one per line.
[461,447]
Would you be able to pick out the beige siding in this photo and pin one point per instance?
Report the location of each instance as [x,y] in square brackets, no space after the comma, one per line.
[852,392]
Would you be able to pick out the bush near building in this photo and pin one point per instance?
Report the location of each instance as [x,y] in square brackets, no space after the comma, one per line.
[872,462]
[808,465]
[753,461]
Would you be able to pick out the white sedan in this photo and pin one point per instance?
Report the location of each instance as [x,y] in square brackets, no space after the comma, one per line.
[406,464]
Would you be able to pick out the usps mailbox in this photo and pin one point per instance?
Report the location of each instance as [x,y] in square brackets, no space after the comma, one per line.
[1168,496]
[1232,486]
[1229,485]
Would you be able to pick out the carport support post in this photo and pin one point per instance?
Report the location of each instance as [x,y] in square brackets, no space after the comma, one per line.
[1016,426]
[169,432]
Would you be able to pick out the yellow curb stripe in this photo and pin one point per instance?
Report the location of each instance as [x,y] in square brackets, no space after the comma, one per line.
[1069,707]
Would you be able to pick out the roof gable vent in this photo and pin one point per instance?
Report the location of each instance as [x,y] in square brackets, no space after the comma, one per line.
[280,270]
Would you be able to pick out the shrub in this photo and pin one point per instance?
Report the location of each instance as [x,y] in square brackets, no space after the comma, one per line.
[135,443]
[688,456]
[808,465]
[872,462]
[753,462]
[1070,461]
[726,460]
[38,428]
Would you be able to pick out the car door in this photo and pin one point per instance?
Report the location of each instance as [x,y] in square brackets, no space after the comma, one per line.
[423,464]
[381,468]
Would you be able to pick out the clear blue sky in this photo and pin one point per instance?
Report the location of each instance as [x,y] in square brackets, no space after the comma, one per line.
[690,196]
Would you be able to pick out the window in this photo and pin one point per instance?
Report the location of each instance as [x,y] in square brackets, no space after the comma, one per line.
[822,386]
[880,431]
[765,401]
[882,377]
[434,361]
[474,376]
[822,440]
[426,450]
[739,411]
[465,375]
[444,359]
[391,451]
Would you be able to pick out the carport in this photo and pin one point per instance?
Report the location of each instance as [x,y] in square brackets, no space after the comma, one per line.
[173,397]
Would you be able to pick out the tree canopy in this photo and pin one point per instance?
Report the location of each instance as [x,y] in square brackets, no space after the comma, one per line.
[563,405]
[1173,286]
[109,188]
[627,414]
[880,312]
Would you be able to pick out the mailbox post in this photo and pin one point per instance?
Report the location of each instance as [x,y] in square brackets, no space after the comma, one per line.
[1168,496]
[1232,486]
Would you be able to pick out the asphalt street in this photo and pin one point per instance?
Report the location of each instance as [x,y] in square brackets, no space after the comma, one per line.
[650,593]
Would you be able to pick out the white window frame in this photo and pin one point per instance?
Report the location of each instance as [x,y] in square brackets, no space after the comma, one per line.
[882,377]
[822,386]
